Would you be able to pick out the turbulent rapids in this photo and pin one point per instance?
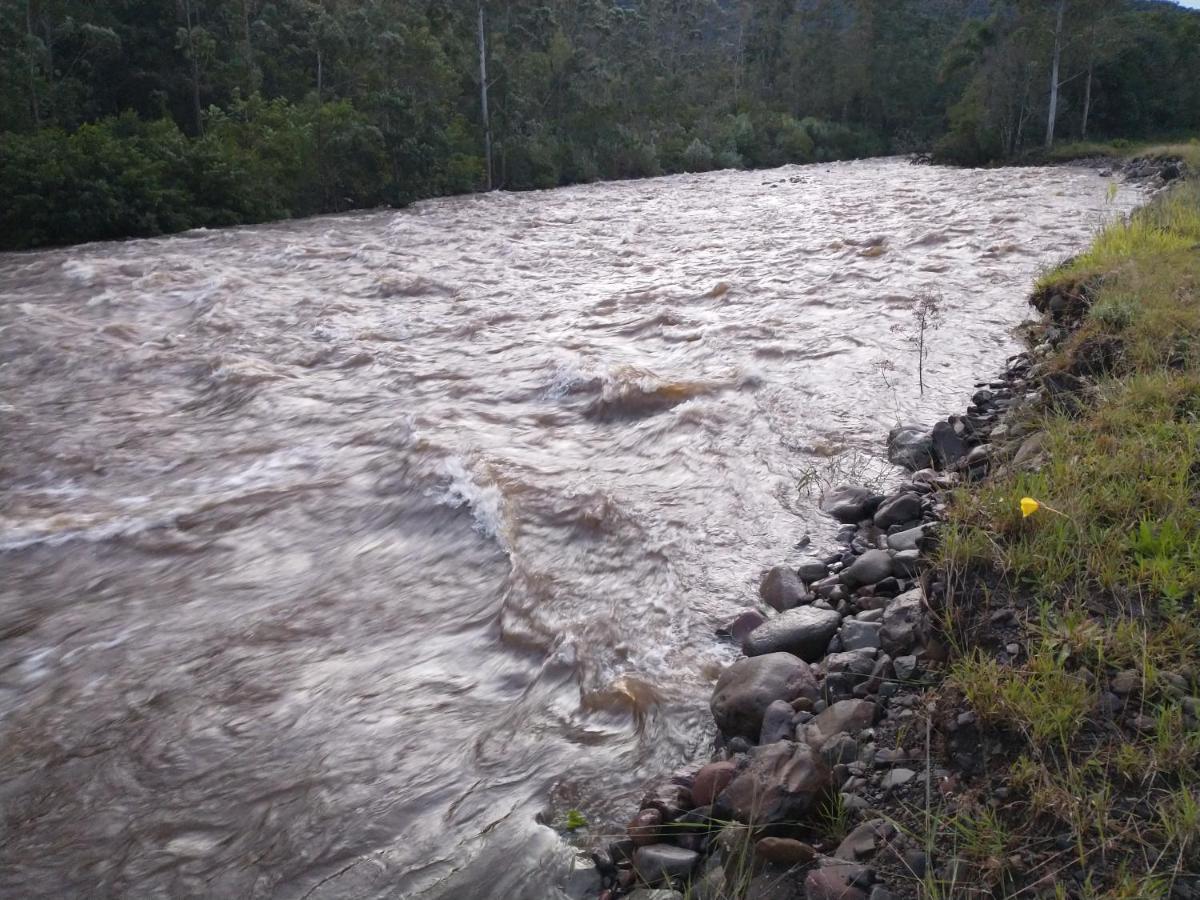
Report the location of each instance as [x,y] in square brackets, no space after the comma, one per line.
[343,556]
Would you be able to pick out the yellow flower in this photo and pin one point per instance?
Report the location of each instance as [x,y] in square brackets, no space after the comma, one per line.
[1029,506]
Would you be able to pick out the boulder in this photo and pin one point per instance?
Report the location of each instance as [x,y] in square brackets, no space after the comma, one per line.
[655,863]
[781,589]
[907,563]
[910,447]
[849,504]
[948,448]
[899,510]
[749,686]
[849,716]
[872,566]
[784,784]
[804,632]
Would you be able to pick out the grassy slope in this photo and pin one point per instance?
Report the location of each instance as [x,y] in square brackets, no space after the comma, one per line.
[1106,585]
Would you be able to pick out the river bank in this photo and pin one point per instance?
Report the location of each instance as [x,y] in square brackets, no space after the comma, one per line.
[953,703]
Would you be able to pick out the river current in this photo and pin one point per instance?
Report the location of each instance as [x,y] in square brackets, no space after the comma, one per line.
[339,555]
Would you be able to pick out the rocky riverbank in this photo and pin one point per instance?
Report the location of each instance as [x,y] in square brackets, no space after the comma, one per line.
[833,755]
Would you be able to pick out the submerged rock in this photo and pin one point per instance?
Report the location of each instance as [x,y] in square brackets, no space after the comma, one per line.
[749,686]
[804,632]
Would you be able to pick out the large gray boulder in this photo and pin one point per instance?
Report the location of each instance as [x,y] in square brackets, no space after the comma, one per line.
[749,686]
[805,632]
[784,784]
[911,447]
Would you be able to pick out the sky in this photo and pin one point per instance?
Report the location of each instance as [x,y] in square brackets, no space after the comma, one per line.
[1190,4]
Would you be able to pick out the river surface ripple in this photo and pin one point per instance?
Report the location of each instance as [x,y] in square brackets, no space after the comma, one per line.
[337,551]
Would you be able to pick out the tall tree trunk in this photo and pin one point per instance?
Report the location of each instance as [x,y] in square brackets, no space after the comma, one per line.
[34,105]
[1087,91]
[483,104]
[196,110]
[1058,27]
[251,80]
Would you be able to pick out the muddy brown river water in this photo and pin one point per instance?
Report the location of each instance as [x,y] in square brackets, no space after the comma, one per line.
[337,553]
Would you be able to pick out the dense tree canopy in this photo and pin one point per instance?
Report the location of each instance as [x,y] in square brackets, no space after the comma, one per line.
[142,116]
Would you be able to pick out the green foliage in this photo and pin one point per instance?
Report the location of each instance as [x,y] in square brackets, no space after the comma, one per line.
[250,111]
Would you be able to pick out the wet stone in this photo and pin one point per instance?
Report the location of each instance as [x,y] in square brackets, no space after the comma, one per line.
[804,632]
[662,862]
[873,566]
[749,686]
[781,589]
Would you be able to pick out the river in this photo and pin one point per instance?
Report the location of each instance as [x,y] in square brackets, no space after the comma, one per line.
[340,553]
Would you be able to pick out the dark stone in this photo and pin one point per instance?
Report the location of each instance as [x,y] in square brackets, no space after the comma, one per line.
[711,780]
[910,447]
[784,851]
[948,446]
[811,570]
[899,510]
[903,623]
[749,686]
[645,826]
[662,862]
[837,883]
[871,567]
[671,800]
[742,625]
[910,539]
[804,632]
[858,635]
[849,716]
[861,844]
[784,783]
[777,723]
[848,504]
[781,589]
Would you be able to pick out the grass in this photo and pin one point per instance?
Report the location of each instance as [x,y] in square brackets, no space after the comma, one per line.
[1105,593]
[1119,150]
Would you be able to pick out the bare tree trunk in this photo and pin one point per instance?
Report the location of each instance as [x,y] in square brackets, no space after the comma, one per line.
[196,110]
[1087,92]
[321,129]
[483,103]
[1058,26]
[34,105]
[251,81]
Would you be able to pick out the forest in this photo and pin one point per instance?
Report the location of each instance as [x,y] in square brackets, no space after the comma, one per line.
[143,117]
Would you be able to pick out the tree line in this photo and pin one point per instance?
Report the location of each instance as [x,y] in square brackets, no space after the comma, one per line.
[140,117]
